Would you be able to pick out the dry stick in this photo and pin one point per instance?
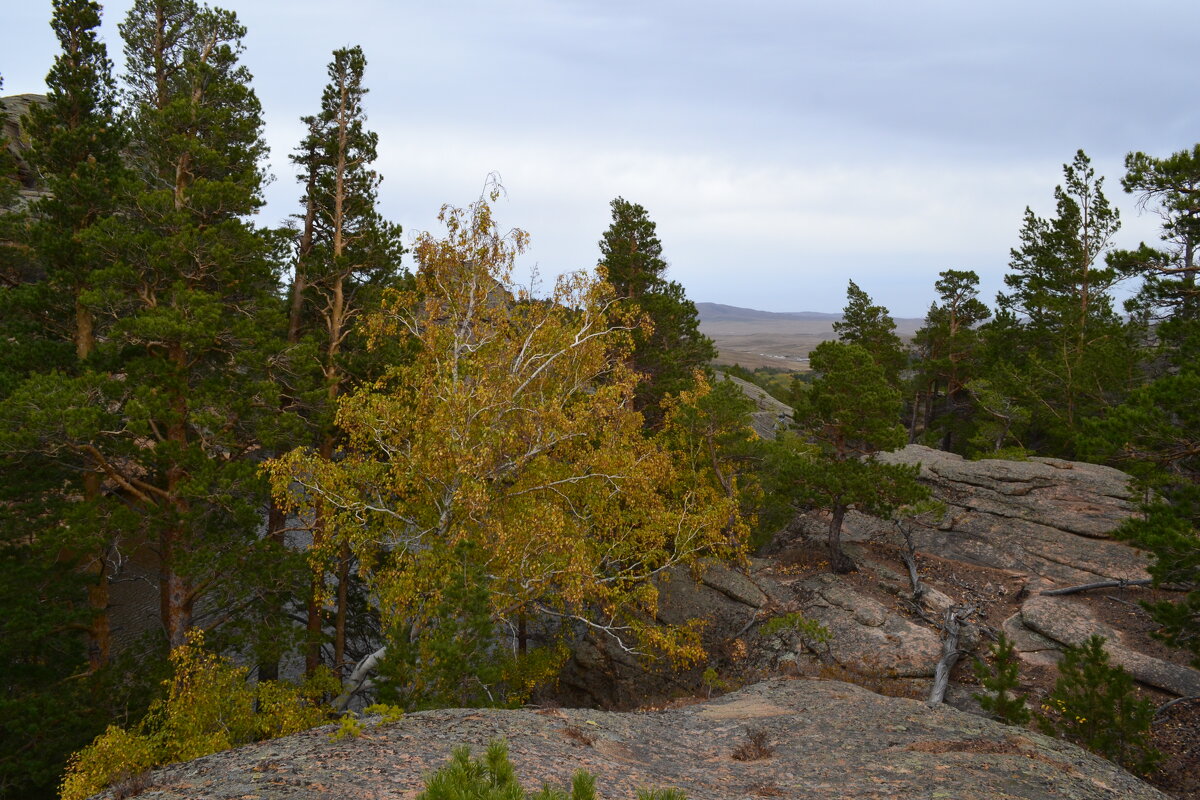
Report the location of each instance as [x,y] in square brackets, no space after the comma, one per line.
[918,589]
[950,653]
[1100,585]
[1170,703]
[910,561]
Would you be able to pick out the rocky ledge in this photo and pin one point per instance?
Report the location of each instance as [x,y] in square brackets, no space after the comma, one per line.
[777,738]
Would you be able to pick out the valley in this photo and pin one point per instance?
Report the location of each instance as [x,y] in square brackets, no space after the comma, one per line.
[782,340]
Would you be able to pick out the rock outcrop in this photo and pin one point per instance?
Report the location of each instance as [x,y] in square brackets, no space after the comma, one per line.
[1044,517]
[818,739]
[1010,529]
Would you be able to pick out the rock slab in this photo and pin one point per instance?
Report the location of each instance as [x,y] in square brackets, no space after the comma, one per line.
[825,740]
[1045,517]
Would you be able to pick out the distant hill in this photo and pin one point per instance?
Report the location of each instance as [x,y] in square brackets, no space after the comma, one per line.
[719,312]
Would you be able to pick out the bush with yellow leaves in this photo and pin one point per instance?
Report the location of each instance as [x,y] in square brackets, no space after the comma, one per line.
[209,707]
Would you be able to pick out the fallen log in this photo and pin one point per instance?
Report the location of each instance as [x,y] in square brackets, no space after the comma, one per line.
[1086,587]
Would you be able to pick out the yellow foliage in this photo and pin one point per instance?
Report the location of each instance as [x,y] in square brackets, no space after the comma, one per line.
[209,707]
[349,727]
[115,755]
[389,713]
[512,428]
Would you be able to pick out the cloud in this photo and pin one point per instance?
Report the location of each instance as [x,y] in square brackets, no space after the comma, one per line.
[782,147]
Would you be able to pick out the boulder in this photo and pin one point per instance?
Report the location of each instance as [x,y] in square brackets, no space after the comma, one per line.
[603,672]
[12,109]
[869,637]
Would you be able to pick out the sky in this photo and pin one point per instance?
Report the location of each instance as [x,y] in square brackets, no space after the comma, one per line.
[783,147]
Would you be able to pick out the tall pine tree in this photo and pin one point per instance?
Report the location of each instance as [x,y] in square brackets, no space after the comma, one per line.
[1071,357]
[190,293]
[1155,433]
[667,354]
[58,530]
[946,348]
[1169,298]
[348,253]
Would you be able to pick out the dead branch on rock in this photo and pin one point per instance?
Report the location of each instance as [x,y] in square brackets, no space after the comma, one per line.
[1098,585]
[955,616]
[1176,701]
[908,554]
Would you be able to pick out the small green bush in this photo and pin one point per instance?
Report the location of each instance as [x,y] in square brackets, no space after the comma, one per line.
[1093,704]
[812,632]
[1001,680]
[465,778]
[493,778]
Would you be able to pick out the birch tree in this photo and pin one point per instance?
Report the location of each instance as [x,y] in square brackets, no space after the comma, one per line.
[512,433]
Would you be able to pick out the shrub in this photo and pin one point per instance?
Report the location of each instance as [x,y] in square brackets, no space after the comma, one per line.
[208,707]
[116,755]
[1001,680]
[1093,703]
[493,778]
[811,632]
[465,778]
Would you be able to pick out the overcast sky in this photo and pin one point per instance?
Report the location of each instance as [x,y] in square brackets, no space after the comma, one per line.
[782,146]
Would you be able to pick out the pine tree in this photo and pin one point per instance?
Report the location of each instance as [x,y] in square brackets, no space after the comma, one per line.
[188,288]
[1072,357]
[947,358]
[670,351]
[1169,298]
[1002,680]
[872,328]
[849,414]
[1156,433]
[57,531]
[1093,703]
[77,146]
[347,255]
[77,150]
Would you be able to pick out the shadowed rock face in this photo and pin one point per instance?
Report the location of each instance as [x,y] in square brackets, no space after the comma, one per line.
[12,109]
[826,740]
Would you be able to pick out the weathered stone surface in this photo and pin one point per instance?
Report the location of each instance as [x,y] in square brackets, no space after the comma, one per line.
[1045,517]
[1066,622]
[868,636]
[733,584]
[1030,645]
[828,740]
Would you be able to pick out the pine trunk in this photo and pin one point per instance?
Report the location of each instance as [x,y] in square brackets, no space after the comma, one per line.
[839,562]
